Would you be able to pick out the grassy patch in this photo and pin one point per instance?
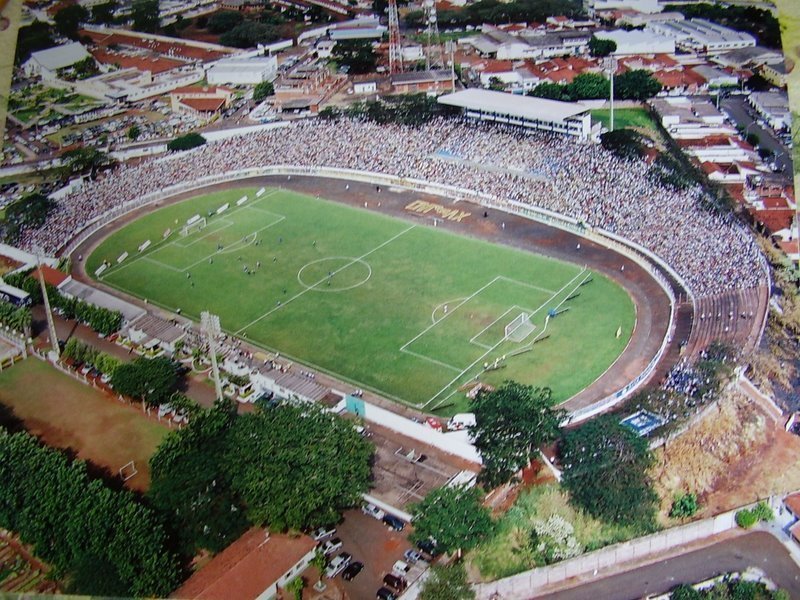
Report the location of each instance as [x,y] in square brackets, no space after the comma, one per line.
[637,118]
[508,552]
[65,413]
[408,310]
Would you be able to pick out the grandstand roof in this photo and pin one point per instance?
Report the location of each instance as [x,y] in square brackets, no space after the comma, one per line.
[526,107]
[61,56]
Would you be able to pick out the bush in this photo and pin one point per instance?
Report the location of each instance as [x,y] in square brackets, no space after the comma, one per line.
[684,506]
[746,518]
[763,512]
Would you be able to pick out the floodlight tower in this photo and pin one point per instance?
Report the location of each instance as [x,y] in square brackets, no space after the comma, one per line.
[433,54]
[395,47]
[55,351]
[209,325]
[610,63]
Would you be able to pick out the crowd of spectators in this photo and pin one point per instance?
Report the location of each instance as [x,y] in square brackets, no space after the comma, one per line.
[713,253]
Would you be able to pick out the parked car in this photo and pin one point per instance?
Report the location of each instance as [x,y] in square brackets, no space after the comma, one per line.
[331,546]
[394,522]
[322,533]
[400,568]
[337,565]
[428,547]
[373,511]
[86,368]
[353,569]
[385,594]
[412,556]
[395,581]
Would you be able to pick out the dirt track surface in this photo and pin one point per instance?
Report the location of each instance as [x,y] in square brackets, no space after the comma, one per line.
[650,300]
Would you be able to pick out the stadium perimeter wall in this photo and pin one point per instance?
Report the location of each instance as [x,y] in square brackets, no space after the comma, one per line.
[643,257]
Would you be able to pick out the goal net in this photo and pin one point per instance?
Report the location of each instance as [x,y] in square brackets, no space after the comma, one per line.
[193,227]
[520,328]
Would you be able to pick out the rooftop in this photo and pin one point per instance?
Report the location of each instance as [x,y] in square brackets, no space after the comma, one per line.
[60,56]
[525,107]
[52,276]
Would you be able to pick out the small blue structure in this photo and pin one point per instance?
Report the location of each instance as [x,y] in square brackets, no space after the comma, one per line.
[643,422]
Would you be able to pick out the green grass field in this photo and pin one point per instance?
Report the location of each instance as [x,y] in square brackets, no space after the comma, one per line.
[625,117]
[407,310]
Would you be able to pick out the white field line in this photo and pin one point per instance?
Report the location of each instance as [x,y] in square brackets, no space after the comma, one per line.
[431,360]
[208,231]
[527,285]
[480,358]
[323,279]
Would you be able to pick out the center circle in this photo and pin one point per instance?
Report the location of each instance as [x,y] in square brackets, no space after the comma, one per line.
[334,274]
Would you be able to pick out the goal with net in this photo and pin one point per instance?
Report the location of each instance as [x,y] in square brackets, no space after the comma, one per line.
[520,328]
[193,227]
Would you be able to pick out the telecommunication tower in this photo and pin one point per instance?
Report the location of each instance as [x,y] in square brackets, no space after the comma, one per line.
[209,325]
[433,53]
[395,48]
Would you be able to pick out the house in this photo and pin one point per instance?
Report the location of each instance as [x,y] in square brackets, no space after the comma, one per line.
[437,80]
[201,101]
[243,71]
[775,73]
[367,86]
[285,384]
[47,63]
[716,77]
[254,566]
[773,107]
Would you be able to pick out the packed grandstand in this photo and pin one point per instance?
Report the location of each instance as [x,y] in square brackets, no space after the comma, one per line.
[713,253]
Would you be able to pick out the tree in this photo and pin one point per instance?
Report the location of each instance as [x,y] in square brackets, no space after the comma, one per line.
[134,132]
[305,465]
[496,84]
[224,21]
[684,506]
[447,582]
[453,517]
[685,592]
[36,36]
[548,89]
[357,55]
[29,212]
[511,423]
[625,143]
[248,34]
[186,142]
[145,15]
[83,160]
[262,90]
[588,86]
[69,18]
[191,481]
[598,47]
[603,450]
[151,380]
[104,13]
[636,85]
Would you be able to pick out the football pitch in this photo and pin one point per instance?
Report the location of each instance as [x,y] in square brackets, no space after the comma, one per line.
[410,311]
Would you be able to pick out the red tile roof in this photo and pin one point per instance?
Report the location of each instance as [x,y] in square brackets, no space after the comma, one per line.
[52,276]
[155,64]
[247,567]
[204,104]
[175,48]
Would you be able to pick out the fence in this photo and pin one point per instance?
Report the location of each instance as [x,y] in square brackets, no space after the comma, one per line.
[654,265]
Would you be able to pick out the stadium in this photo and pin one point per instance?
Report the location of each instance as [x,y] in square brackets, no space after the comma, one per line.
[690,275]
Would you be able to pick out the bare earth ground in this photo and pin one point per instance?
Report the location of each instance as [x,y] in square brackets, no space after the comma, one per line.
[65,413]
[736,453]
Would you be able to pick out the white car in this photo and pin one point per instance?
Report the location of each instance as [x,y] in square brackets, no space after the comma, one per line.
[373,511]
[400,568]
[331,546]
[322,533]
[337,565]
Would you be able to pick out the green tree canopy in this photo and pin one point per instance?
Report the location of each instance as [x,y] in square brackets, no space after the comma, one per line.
[186,142]
[358,55]
[104,13]
[248,34]
[151,380]
[511,423]
[603,450]
[83,160]
[304,465]
[224,21]
[548,89]
[636,85]
[69,18]
[145,15]
[452,516]
[598,47]
[191,480]
[31,38]
[263,90]
[589,86]
[447,582]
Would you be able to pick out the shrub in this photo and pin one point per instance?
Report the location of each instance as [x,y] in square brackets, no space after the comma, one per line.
[684,506]
[186,142]
[746,519]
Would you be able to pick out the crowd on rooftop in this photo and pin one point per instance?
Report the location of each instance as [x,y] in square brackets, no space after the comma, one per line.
[712,253]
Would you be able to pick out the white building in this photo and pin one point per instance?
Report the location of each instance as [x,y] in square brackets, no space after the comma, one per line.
[412,53]
[715,77]
[699,35]
[592,7]
[774,108]
[637,42]
[528,44]
[243,71]
[369,86]
[568,118]
[47,63]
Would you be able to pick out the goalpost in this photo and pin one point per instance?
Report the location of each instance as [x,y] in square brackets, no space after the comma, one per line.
[520,328]
[193,227]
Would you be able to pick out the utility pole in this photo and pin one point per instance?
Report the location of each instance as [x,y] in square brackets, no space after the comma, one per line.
[450,47]
[55,351]
[209,325]
[610,63]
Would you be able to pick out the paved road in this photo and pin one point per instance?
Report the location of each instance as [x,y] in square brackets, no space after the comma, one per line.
[740,112]
[757,549]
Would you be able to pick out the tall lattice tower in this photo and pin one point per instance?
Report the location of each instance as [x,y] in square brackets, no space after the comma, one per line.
[433,54]
[395,49]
